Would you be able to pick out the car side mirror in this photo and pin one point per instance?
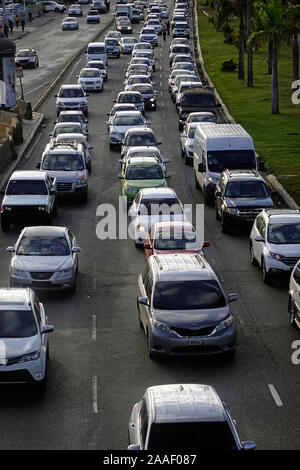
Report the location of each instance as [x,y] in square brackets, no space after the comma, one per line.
[50,134]
[121,177]
[167,175]
[55,96]
[76,249]
[52,192]
[232,297]
[158,143]
[47,329]
[206,244]
[249,445]
[143,301]
[10,249]
[166,160]
[258,238]
[90,147]
[38,165]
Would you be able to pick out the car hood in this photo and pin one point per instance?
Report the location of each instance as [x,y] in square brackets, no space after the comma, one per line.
[292,250]
[70,100]
[192,109]
[13,347]
[249,202]
[25,200]
[138,184]
[187,318]
[148,221]
[123,129]
[66,176]
[42,263]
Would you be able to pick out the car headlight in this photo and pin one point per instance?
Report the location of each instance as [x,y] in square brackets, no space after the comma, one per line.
[141,228]
[212,179]
[65,272]
[34,356]
[161,326]
[43,208]
[83,103]
[183,115]
[231,210]
[223,325]
[82,180]
[19,273]
[275,256]
[130,189]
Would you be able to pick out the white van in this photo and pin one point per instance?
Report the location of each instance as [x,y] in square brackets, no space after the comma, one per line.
[96,51]
[219,147]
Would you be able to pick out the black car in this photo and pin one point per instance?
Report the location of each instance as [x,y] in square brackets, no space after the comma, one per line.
[148,95]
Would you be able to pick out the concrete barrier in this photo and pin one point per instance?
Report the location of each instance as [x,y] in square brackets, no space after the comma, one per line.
[7,153]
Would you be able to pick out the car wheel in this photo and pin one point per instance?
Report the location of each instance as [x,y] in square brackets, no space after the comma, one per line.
[41,386]
[266,277]
[73,288]
[84,196]
[207,200]
[4,225]
[196,182]
[55,210]
[151,355]
[224,224]
[139,319]
[186,160]
[291,309]
[253,260]
[217,215]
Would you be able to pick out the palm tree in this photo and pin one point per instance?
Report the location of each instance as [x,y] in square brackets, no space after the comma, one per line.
[250,51]
[272,23]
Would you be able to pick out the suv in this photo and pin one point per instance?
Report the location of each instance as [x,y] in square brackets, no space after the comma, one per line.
[275,242]
[294,296]
[183,416]
[27,58]
[24,337]
[240,196]
[71,97]
[54,6]
[183,309]
[29,196]
[67,163]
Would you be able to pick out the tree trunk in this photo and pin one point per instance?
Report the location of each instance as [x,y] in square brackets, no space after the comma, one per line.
[295,49]
[270,57]
[241,47]
[275,94]
[250,51]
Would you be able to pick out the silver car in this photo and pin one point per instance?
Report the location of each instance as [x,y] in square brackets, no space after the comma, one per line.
[122,121]
[44,257]
[184,310]
[24,332]
[294,296]
[183,416]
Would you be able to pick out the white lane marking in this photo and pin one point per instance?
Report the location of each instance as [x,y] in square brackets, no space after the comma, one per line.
[95,394]
[94,327]
[37,88]
[275,395]
[71,73]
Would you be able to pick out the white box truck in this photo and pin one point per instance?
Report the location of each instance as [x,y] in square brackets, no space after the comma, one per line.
[220,147]
[125,8]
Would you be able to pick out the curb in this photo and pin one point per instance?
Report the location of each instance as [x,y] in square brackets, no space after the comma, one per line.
[28,141]
[65,67]
[226,116]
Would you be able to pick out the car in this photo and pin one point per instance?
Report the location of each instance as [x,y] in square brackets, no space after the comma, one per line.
[121,122]
[137,69]
[24,333]
[132,97]
[195,98]
[186,66]
[200,116]
[93,16]
[240,195]
[164,14]
[27,58]
[127,44]
[136,79]
[54,6]
[152,205]
[179,49]
[67,128]
[181,83]
[294,297]
[182,58]
[100,5]
[113,35]
[137,59]
[145,152]
[124,26]
[112,47]
[149,35]
[176,72]
[135,17]
[83,2]
[29,196]
[177,41]
[81,139]
[71,97]
[181,31]
[148,94]
[138,173]
[156,24]
[181,17]
[98,64]
[183,416]
[75,10]
[173,236]
[67,163]
[96,51]
[140,54]
[69,23]
[119,107]
[275,242]
[90,79]
[187,142]
[44,257]
[73,116]
[184,310]
[139,137]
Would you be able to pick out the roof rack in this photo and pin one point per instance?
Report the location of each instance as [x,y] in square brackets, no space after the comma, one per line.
[72,145]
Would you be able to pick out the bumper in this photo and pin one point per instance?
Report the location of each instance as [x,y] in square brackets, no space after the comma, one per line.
[57,284]
[150,105]
[277,268]
[94,86]
[168,344]
[30,372]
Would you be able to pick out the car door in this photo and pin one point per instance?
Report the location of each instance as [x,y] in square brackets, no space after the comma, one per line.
[73,243]
[145,291]
[219,199]
[259,246]
[296,279]
[40,315]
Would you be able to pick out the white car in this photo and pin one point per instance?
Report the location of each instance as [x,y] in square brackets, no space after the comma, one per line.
[156,24]
[127,44]
[187,142]
[54,6]
[189,82]
[24,329]
[294,297]
[145,152]
[136,79]
[27,58]
[71,97]
[80,138]
[75,10]
[67,128]
[98,64]
[142,47]
[122,121]
[93,16]
[73,116]
[136,137]
[119,107]
[69,23]
[91,79]
[154,205]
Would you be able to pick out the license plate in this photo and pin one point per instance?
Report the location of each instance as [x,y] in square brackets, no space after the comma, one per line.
[196,342]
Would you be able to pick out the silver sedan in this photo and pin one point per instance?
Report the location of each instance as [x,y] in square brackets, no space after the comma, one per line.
[44,257]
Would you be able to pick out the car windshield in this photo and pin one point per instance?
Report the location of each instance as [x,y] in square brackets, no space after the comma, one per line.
[43,246]
[17,324]
[69,20]
[89,73]
[143,46]
[60,162]
[166,206]
[139,140]
[184,65]
[144,172]
[148,31]
[128,121]
[18,188]
[146,154]
[67,130]
[188,295]
[221,160]
[25,54]
[284,234]
[93,13]
[70,118]
[133,80]
[198,99]
[240,189]
[71,93]
[130,99]
[211,435]
[182,49]
[177,240]
[201,118]
[146,89]
[96,65]
[138,68]
[96,50]
[128,41]
[111,42]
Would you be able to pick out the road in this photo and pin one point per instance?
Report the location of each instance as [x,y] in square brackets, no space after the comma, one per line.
[98,362]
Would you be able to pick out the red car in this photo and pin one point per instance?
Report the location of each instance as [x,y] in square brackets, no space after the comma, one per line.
[173,237]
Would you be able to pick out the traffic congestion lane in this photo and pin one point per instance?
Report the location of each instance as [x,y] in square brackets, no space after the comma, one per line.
[107,290]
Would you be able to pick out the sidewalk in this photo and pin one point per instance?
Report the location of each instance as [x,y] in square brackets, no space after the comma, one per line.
[33,26]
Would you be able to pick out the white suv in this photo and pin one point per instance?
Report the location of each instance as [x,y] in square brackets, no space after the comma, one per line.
[71,97]
[294,296]
[24,349]
[275,241]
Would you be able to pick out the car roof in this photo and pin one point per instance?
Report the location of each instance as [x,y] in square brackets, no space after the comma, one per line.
[143,161]
[128,113]
[71,112]
[182,267]
[158,193]
[239,175]
[28,174]
[283,215]
[63,124]
[140,130]
[167,225]
[44,230]
[185,403]
[16,298]
[143,148]
[71,86]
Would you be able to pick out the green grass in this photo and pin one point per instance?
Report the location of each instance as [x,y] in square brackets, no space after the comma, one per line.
[276,137]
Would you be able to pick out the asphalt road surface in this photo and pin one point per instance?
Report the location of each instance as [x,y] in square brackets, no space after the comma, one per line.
[98,362]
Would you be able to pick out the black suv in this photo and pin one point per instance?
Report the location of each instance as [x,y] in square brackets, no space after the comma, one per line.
[196,99]
[239,197]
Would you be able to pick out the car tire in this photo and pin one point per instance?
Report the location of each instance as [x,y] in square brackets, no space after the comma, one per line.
[186,160]
[217,215]
[266,277]
[197,186]
[41,386]
[224,224]
[73,288]
[291,309]
[84,196]
[139,320]
[4,225]
[253,260]
[150,354]
[55,210]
